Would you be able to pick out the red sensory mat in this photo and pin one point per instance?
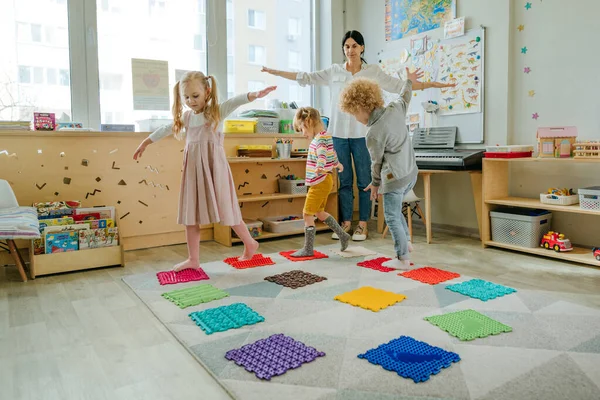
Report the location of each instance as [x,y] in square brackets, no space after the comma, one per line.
[429,275]
[375,263]
[317,255]
[185,275]
[258,260]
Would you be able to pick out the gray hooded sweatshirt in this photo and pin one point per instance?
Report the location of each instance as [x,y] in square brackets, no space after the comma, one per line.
[393,163]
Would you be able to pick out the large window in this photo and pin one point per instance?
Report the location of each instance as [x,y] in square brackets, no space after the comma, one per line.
[278,36]
[108,37]
[34,66]
[158,30]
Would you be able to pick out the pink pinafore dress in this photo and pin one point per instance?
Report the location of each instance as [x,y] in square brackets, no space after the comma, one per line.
[207,193]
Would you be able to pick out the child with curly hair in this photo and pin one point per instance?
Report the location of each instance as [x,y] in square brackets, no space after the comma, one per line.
[393,164]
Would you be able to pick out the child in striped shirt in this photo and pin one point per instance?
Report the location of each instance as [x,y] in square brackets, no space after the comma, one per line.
[322,160]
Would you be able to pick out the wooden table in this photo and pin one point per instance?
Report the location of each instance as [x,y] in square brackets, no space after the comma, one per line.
[476,179]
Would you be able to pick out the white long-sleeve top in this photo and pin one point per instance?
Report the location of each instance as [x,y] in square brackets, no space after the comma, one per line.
[226,108]
[336,77]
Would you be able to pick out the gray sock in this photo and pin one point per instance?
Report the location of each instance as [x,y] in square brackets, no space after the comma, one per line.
[343,236]
[309,242]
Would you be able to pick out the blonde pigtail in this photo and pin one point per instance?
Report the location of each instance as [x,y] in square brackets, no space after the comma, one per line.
[212,112]
[177,112]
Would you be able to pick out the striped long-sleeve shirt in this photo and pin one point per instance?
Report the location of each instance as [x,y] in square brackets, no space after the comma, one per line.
[321,155]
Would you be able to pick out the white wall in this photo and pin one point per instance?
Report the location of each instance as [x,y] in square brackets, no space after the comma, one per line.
[563,55]
[367,16]
[562,43]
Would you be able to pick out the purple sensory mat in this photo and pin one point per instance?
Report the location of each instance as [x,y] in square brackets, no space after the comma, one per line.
[273,356]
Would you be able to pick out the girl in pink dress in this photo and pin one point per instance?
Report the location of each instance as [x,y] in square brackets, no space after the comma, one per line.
[207,192]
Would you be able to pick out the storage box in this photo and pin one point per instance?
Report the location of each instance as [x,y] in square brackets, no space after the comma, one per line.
[280,224]
[286,126]
[239,125]
[520,227]
[547,198]
[589,198]
[254,227]
[512,154]
[267,125]
[292,186]
[508,149]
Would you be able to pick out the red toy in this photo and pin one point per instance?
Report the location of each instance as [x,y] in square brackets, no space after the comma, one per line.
[556,241]
[596,251]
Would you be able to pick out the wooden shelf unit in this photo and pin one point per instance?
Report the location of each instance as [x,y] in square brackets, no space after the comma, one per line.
[496,174]
[257,187]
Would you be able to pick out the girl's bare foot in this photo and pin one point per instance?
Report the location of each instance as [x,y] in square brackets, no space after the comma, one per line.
[249,251]
[186,264]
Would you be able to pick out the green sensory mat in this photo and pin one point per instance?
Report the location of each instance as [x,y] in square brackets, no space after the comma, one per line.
[195,295]
[468,324]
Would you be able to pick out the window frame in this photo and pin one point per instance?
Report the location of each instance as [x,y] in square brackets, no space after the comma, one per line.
[84,76]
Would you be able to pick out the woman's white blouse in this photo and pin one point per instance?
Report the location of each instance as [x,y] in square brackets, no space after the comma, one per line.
[341,124]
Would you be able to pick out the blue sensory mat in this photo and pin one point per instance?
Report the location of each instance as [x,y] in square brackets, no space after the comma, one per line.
[410,358]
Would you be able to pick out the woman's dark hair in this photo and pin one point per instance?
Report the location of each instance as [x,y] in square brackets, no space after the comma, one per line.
[358,38]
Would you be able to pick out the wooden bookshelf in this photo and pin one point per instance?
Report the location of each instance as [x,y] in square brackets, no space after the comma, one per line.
[496,193]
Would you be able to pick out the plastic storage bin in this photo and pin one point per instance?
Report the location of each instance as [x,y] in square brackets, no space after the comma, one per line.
[286,126]
[254,227]
[589,198]
[267,125]
[292,186]
[239,125]
[547,198]
[520,227]
[280,225]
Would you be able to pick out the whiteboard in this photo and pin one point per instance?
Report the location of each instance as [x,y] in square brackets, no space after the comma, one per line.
[432,53]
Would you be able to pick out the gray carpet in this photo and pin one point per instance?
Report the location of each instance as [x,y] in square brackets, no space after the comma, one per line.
[553,352]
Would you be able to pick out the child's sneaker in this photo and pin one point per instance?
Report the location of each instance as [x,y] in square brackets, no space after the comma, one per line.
[346,228]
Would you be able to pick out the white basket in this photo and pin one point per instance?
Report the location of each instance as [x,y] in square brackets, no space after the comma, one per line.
[547,198]
[270,224]
[589,198]
[267,125]
[292,186]
[516,227]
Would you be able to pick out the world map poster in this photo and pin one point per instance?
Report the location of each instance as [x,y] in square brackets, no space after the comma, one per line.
[409,17]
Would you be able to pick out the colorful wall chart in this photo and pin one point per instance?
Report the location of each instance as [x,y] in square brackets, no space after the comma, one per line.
[410,17]
[460,63]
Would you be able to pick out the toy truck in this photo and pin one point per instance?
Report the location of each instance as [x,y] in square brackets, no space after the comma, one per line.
[596,251]
[556,241]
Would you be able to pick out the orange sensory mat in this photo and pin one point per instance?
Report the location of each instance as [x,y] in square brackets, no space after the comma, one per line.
[429,275]
[316,255]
